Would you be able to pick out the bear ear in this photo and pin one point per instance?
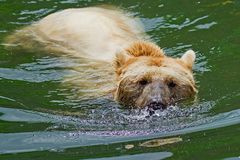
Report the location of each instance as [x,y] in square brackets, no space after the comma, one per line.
[120,60]
[188,58]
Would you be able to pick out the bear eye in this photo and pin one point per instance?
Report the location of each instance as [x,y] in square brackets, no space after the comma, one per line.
[143,82]
[171,84]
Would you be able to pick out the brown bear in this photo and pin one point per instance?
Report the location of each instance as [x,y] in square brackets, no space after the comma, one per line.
[145,75]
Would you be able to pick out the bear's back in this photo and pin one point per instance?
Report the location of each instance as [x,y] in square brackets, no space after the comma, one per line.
[93,32]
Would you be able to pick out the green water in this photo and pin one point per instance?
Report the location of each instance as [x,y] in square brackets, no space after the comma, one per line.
[43,118]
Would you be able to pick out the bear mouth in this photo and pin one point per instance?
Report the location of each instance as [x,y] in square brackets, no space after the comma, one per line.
[153,106]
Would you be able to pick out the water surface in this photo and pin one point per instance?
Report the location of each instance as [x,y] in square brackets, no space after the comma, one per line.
[52,107]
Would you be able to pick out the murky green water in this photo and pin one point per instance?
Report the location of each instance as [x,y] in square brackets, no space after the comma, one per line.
[43,116]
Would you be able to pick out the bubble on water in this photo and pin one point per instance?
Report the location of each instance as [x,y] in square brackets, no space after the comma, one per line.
[115,121]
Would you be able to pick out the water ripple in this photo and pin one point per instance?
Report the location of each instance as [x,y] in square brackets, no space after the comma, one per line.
[45,140]
[33,76]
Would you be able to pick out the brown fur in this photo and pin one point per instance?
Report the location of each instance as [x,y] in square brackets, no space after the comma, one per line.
[142,48]
[168,80]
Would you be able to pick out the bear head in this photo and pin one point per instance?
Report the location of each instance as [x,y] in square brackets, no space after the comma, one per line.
[146,77]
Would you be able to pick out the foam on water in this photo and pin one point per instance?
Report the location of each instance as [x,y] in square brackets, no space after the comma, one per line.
[117,121]
[53,139]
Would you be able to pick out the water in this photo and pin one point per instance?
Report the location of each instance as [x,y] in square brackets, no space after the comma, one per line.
[54,108]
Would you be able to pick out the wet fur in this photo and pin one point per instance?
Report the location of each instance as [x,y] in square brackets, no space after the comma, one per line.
[122,42]
[146,61]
